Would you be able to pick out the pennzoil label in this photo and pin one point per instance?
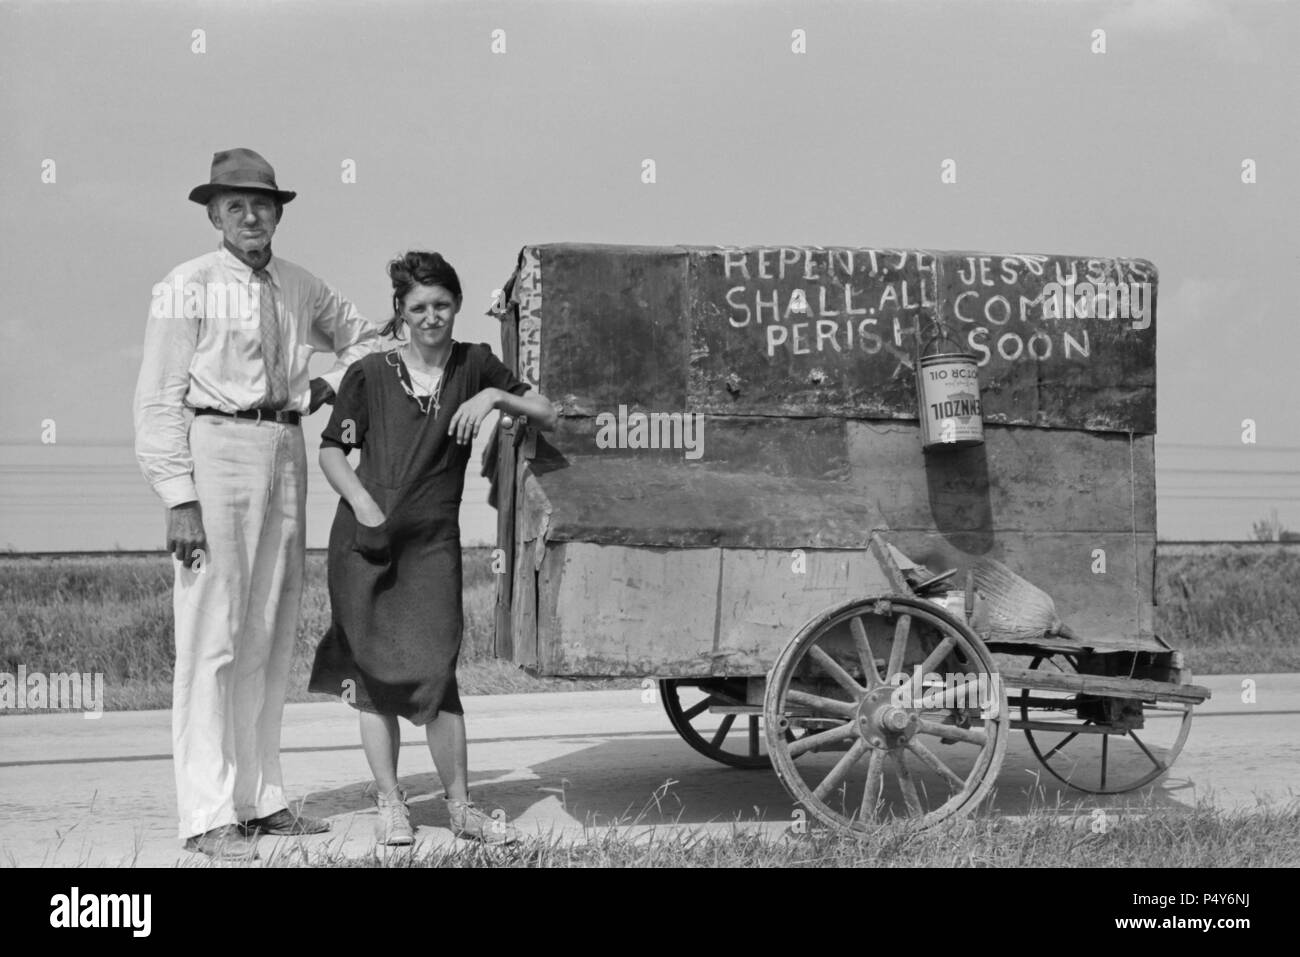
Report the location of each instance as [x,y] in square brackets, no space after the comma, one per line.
[950,402]
[961,405]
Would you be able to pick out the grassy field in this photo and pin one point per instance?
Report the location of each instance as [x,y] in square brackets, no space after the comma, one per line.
[1200,837]
[114,615]
[1230,610]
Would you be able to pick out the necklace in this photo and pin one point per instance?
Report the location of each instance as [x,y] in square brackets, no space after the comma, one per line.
[428,402]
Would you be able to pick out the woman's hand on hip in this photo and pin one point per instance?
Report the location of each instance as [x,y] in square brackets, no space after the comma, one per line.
[467,419]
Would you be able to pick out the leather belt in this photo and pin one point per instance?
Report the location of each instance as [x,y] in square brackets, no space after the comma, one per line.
[259,415]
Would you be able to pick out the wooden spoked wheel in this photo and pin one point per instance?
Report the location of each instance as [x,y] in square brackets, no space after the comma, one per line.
[732,738]
[874,745]
[1097,744]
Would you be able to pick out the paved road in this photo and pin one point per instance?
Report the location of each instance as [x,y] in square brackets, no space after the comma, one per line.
[100,791]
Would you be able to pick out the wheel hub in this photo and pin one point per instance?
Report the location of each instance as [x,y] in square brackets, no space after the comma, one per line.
[882,723]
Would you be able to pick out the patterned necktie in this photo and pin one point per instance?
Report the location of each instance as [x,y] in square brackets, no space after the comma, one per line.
[277,385]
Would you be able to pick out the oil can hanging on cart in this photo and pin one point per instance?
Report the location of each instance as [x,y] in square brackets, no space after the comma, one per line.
[947,393]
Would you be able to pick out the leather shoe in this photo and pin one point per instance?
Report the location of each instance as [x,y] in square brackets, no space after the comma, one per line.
[225,843]
[284,823]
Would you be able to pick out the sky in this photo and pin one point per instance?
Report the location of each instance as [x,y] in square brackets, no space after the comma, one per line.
[1137,151]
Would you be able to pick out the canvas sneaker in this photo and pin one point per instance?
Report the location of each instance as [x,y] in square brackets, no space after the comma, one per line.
[470,820]
[394,825]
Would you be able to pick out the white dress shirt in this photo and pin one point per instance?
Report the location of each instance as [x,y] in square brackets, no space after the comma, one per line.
[202,349]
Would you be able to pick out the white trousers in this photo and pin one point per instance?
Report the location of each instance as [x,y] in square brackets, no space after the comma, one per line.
[236,620]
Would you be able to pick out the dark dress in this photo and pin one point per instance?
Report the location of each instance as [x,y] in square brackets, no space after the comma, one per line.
[395,589]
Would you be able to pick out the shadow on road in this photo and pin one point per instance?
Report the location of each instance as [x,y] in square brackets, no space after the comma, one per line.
[658,780]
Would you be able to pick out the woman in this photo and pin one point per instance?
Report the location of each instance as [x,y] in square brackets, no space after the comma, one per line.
[394,553]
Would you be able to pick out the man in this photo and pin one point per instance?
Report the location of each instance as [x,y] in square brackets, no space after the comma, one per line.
[222,389]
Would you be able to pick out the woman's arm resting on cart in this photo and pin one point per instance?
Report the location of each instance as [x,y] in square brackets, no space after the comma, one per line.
[465,423]
[342,478]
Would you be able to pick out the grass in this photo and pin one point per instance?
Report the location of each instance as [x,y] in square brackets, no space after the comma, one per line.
[1229,611]
[1201,837]
[1232,611]
[1140,834]
[114,615]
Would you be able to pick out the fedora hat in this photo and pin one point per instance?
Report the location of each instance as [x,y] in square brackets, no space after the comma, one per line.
[239,169]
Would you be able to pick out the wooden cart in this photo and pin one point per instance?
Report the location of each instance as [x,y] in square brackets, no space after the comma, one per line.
[761,576]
